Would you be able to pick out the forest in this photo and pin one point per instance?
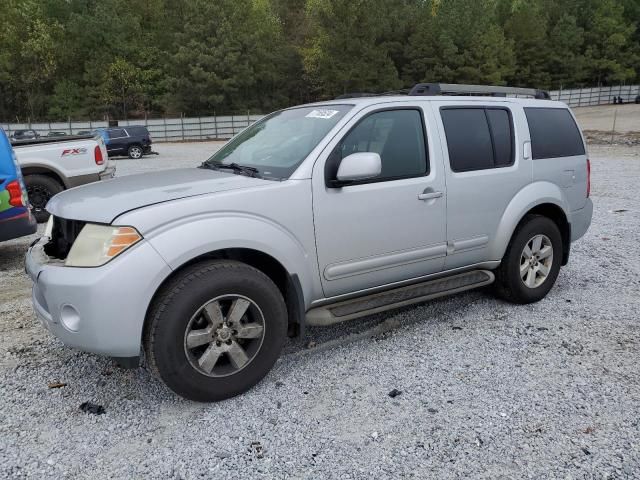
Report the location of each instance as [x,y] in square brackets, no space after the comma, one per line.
[134,58]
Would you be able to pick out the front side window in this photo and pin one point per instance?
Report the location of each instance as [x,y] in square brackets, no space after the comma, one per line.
[276,145]
[396,135]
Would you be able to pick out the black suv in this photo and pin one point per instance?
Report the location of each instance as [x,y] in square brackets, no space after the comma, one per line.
[133,140]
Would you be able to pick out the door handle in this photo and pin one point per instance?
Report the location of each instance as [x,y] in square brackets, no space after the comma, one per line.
[429,195]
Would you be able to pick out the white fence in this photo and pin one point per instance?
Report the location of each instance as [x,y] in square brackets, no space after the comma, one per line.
[584,97]
[225,127]
[161,130]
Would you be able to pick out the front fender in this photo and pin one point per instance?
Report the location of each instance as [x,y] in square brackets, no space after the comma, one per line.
[182,241]
[534,194]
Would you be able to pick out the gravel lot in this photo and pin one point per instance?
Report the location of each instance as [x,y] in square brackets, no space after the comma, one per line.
[489,389]
[601,117]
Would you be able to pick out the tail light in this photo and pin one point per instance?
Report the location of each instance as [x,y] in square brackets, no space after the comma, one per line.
[15,194]
[97,155]
[588,178]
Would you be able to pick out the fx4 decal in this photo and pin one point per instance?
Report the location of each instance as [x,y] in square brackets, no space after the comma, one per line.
[73,151]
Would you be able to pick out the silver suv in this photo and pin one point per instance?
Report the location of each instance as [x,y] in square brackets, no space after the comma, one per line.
[314,215]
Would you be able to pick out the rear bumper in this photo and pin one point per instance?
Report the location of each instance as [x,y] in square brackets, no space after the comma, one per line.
[99,310]
[581,220]
[17,227]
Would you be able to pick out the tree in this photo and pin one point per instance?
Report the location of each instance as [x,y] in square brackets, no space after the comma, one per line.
[227,58]
[459,41]
[610,53]
[346,49]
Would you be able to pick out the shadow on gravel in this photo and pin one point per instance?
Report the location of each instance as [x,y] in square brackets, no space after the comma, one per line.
[318,339]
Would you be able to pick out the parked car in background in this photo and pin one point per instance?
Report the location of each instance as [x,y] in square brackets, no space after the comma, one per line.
[24,134]
[314,215]
[16,219]
[54,133]
[84,132]
[51,165]
[133,141]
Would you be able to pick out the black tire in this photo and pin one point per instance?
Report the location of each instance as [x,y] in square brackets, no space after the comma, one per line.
[173,311]
[509,284]
[40,189]
[135,152]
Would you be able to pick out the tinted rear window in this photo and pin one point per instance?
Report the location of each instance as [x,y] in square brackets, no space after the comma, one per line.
[554,133]
[478,138]
[500,124]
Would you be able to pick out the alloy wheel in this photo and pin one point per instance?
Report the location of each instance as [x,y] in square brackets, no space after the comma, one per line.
[224,335]
[536,261]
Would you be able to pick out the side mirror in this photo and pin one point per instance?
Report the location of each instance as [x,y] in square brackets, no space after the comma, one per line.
[359,166]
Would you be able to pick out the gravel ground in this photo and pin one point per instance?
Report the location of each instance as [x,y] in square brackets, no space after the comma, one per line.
[602,117]
[489,389]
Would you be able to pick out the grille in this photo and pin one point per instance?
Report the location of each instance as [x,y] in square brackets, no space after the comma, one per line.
[63,234]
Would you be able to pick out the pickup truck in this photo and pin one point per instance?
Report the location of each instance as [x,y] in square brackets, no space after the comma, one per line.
[312,216]
[55,164]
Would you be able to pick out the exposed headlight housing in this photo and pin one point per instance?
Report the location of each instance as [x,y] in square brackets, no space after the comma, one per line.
[98,244]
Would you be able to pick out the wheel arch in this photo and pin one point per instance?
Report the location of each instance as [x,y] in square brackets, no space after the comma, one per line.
[539,198]
[47,171]
[288,284]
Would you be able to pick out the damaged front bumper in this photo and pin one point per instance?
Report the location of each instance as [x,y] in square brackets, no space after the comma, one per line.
[99,310]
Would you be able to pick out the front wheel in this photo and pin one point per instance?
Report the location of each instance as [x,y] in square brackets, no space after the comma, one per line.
[135,152]
[215,330]
[531,264]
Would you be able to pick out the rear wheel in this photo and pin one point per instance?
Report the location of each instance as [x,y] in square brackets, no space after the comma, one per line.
[531,264]
[216,330]
[135,152]
[40,189]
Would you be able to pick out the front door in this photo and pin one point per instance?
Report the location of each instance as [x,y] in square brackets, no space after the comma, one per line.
[387,229]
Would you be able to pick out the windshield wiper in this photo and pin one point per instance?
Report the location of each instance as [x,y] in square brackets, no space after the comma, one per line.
[244,169]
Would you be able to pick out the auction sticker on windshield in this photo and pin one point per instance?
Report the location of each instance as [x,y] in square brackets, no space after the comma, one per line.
[321,113]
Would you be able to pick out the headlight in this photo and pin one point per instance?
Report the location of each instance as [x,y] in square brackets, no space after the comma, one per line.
[97,244]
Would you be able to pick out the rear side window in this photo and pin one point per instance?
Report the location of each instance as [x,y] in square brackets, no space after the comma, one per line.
[554,133]
[478,138]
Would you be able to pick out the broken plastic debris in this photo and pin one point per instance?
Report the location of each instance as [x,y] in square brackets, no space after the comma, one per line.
[89,407]
[394,393]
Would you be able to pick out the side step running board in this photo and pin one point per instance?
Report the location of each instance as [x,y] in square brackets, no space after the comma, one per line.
[398,297]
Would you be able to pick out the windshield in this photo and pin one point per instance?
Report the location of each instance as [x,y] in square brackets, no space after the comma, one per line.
[276,145]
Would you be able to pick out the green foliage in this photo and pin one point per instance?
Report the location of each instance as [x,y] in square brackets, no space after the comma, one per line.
[131,58]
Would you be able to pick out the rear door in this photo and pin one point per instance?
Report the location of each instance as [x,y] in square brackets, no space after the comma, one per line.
[118,141]
[485,168]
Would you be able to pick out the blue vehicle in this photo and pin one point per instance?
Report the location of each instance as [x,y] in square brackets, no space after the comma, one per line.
[15,215]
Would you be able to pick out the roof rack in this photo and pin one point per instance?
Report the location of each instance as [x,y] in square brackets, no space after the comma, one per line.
[459,89]
[433,89]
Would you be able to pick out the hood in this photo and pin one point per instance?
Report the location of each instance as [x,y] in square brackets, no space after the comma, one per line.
[102,202]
